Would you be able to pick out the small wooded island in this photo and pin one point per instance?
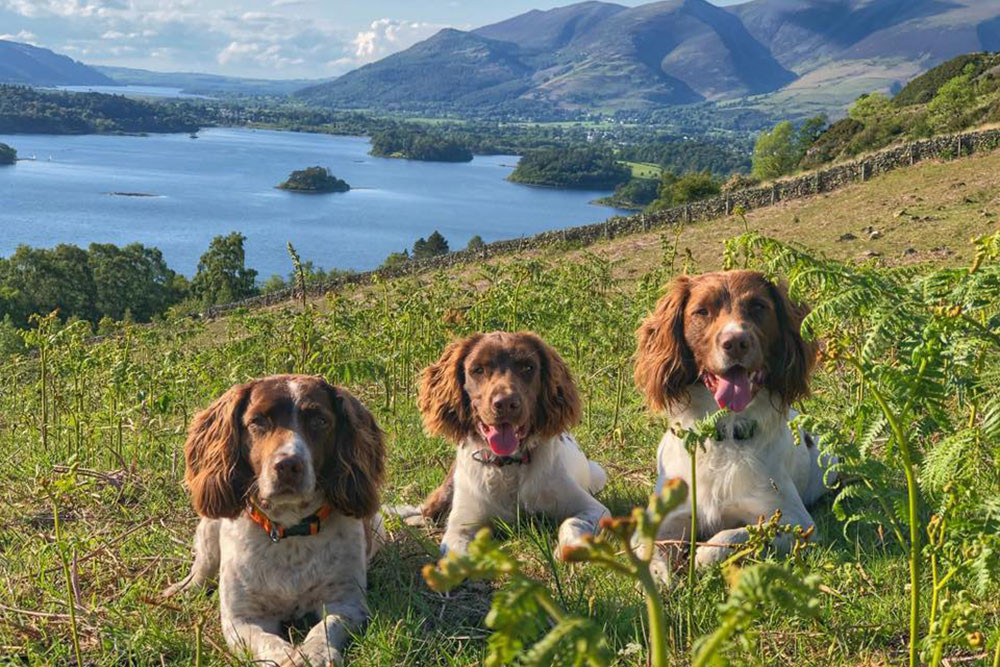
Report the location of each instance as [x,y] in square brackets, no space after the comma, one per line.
[7,154]
[314,179]
[425,146]
[582,168]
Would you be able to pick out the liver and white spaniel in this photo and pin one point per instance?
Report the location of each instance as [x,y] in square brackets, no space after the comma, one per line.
[731,339]
[285,472]
[507,400]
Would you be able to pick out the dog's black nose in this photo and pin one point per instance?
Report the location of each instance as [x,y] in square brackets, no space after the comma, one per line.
[735,342]
[289,468]
[506,405]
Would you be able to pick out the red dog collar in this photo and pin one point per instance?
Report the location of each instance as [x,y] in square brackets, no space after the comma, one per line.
[308,526]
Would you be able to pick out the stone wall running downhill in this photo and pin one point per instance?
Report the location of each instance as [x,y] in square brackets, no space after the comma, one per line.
[825,180]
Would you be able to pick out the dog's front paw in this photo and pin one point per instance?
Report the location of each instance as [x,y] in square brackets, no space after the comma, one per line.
[572,534]
[707,556]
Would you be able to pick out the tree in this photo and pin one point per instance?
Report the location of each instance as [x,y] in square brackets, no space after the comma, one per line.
[433,245]
[694,187]
[133,279]
[871,106]
[776,152]
[222,274]
[475,244]
[40,280]
[953,100]
[779,151]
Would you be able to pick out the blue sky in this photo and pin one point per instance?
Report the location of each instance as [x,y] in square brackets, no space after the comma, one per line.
[261,38]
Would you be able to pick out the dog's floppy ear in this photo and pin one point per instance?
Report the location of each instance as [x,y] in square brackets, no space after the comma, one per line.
[218,473]
[664,364]
[354,463]
[442,400]
[558,403]
[793,357]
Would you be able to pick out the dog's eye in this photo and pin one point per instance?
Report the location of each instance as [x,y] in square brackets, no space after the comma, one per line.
[528,368]
[318,422]
[259,423]
[757,306]
[701,312]
[478,370]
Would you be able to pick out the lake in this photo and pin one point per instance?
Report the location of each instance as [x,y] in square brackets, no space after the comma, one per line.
[224,181]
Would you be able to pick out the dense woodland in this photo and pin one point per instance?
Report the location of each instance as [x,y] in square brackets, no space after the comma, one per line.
[29,111]
[412,144]
[584,168]
[107,281]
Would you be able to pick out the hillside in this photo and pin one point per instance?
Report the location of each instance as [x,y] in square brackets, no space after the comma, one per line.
[94,438]
[817,54]
[26,64]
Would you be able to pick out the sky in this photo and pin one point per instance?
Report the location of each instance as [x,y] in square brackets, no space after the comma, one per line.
[275,39]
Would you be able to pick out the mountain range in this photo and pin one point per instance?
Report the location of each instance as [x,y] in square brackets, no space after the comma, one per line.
[604,56]
[23,63]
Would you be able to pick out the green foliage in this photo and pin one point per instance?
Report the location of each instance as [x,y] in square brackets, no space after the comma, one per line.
[681,155]
[759,588]
[475,244]
[779,151]
[923,88]
[7,154]
[419,144]
[952,102]
[691,187]
[432,246]
[103,281]
[395,259]
[919,353]
[637,193]
[222,274]
[584,168]
[29,110]
[314,179]
[311,274]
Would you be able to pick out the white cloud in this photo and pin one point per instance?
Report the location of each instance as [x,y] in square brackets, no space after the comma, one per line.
[386,36]
[21,36]
[276,38]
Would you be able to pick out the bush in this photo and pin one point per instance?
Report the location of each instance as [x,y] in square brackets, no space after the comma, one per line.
[475,244]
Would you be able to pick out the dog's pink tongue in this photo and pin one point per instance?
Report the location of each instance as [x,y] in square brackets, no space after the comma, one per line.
[503,440]
[733,390]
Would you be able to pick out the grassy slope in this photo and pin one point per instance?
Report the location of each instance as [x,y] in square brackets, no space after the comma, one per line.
[130,526]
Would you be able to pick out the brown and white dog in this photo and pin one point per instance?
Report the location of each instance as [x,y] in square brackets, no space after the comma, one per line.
[731,339]
[507,400]
[285,472]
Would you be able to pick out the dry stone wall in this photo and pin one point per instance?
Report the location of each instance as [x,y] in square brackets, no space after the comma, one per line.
[825,180]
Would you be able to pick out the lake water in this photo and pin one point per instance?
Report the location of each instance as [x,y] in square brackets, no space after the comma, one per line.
[134,91]
[224,181]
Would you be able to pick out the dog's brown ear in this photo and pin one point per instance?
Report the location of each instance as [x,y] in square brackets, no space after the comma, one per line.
[354,463]
[558,403]
[218,473]
[442,400]
[792,358]
[664,364]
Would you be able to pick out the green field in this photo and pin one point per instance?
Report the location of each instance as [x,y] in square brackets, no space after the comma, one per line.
[644,169]
[92,432]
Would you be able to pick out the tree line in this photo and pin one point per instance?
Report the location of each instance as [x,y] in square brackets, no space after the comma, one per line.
[29,111]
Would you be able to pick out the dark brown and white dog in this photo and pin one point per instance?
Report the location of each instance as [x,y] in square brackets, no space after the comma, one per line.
[507,400]
[731,339]
[285,472]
